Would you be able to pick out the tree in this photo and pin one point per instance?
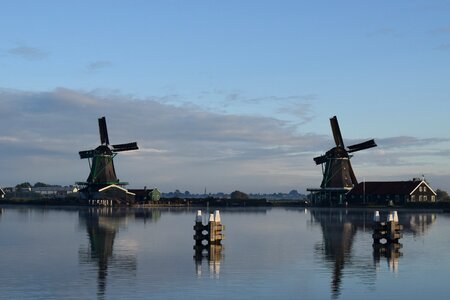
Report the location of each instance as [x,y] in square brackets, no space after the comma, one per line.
[442,195]
[293,193]
[177,193]
[237,195]
[23,185]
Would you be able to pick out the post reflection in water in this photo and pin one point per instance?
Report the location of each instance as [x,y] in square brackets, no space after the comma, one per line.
[389,251]
[339,228]
[102,226]
[213,254]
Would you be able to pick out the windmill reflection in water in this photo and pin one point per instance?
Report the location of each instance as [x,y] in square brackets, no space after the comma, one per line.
[339,228]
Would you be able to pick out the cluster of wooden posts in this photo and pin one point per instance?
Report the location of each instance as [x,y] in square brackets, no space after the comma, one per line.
[386,236]
[100,202]
[208,240]
[390,230]
[209,234]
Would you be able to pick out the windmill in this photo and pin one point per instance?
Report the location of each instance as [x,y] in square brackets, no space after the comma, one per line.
[338,172]
[102,172]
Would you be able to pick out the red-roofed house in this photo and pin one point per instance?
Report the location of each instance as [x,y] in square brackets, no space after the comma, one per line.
[399,192]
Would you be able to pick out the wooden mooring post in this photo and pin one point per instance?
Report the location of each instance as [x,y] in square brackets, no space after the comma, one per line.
[389,231]
[208,241]
[386,236]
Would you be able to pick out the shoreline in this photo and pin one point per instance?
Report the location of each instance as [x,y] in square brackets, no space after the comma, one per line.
[225,203]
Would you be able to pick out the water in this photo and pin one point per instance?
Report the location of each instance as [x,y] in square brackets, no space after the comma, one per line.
[275,253]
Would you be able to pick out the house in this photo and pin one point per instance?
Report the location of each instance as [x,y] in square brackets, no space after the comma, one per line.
[396,192]
[116,193]
[146,195]
[8,190]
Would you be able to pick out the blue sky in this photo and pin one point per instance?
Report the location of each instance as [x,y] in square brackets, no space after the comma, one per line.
[225,94]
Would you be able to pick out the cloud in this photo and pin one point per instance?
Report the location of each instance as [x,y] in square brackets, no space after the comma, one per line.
[443,47]
[9,139]
[28,53]
[440,30]
[240,97]
[98,65]
[295,109]
[408,141]
[303,111]
[180,146]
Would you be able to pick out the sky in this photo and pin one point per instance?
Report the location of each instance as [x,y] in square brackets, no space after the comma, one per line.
[224,95]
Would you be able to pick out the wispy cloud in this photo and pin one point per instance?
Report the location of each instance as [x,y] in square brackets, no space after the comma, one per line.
[28,53]
[440,30]
[443,47]
[303,111]
[409,141]
[8,139]
[292,107]
[98,65]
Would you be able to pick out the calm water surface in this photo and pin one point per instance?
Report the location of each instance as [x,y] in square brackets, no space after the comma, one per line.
[273,253]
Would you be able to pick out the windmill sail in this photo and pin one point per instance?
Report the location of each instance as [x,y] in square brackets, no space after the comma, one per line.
[320,159]
[87,154]
[125,147]
[362,146]
[104,140]
[336,132]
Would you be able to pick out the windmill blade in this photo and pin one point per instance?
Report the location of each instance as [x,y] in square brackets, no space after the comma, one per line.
[104,140]
[87,154]
[125,147]
[336,132]
[320,159]
[361,146]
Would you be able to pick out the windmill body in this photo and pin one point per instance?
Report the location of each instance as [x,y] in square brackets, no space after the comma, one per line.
[338,172]
[101,162]
[338,175]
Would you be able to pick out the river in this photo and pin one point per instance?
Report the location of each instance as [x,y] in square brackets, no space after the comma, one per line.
[268,253]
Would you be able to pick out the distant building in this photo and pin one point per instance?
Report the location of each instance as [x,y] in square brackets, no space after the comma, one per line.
[399,192]
[54,191]
[38,192]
